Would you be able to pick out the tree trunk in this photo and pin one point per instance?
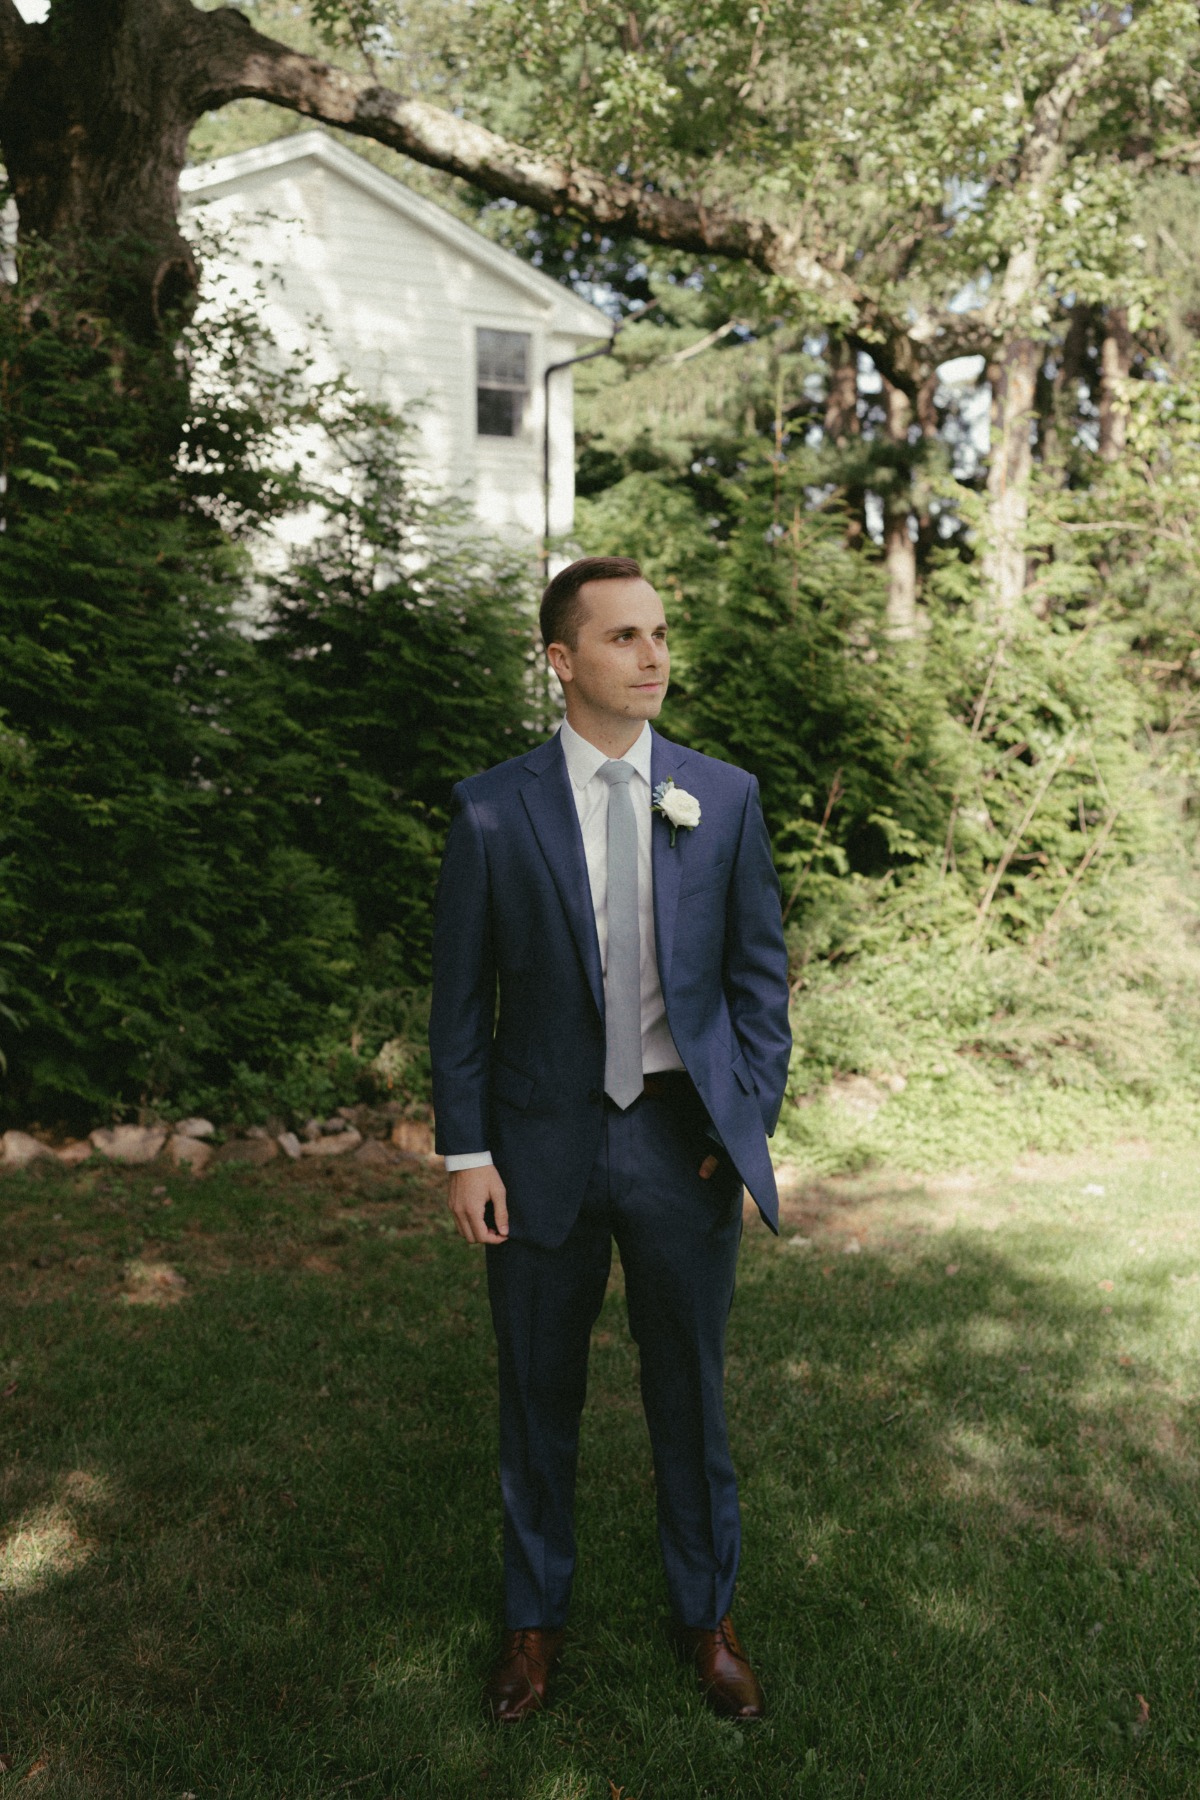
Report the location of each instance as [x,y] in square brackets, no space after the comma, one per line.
[94,121]
[1116,358]
[1014,369]
[843,427]
[1056,396]
[899,545]
[1014,386]
[841,401]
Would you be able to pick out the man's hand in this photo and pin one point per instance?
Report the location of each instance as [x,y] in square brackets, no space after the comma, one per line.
[471,1192]
[709,1167]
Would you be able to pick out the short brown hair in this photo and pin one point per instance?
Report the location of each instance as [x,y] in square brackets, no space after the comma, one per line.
[561,606]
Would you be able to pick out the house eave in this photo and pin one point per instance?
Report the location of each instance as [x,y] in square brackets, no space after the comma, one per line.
[565,313]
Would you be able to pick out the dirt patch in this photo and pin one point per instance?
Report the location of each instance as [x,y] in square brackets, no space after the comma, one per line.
[318,1264]
[851,1213]
[141,1236]
[869,1210]
[983,1200]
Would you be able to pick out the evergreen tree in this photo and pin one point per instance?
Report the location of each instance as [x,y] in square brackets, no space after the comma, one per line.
[165,919]
[219,828]
[402,645]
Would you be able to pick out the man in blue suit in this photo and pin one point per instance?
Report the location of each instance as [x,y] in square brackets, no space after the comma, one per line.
[616,894]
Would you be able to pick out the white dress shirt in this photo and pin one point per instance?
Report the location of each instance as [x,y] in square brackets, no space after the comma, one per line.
[591,803]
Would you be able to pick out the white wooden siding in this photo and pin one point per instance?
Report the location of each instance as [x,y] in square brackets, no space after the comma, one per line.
[400,298]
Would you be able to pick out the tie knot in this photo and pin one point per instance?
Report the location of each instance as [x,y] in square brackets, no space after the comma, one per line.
[616,774]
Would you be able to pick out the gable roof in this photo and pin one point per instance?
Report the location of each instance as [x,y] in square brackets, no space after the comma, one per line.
[567,313]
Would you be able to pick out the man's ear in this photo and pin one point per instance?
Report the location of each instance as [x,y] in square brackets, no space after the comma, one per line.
[559,658]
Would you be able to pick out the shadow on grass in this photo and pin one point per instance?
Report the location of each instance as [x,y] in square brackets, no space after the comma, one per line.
[253,1544]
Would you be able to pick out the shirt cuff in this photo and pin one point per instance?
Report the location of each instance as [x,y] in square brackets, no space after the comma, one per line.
[469,1159]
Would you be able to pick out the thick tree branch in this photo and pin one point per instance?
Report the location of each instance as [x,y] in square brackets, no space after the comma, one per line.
[1053,109]
[243,64]
[1166,156]
[1040,160]
[256,67]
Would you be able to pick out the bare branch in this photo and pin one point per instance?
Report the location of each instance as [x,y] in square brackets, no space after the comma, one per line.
[706,342]
[756,50]
[1170,156]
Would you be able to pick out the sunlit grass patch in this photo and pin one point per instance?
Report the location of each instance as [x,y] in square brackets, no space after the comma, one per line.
[39,1545]
[152,1284]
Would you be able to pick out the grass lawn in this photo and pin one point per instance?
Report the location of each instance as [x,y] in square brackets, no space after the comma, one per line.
[250,1528]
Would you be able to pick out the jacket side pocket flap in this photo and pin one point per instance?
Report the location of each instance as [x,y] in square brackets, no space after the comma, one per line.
[744,1078]
[511,1086]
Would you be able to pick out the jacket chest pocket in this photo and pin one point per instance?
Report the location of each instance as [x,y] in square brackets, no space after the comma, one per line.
[703,880]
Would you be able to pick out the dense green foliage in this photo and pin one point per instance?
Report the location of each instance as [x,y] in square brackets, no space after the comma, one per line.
[219,844]
[398,681]
[982,826]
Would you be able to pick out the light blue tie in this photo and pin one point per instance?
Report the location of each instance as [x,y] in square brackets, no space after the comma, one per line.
[623,973]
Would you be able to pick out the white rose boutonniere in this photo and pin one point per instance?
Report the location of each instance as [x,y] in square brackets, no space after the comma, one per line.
[680,809]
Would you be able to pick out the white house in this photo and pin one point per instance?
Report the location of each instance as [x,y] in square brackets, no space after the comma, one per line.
[417,307]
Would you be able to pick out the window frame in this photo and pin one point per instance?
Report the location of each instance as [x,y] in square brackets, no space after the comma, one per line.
[522,433]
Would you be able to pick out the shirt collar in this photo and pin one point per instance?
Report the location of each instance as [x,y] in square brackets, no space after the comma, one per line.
[583,759]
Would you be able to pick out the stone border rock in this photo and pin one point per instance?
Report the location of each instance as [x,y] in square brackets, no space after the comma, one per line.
[375,1137]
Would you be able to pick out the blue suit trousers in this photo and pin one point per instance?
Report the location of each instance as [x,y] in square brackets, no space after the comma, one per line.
[678,1240]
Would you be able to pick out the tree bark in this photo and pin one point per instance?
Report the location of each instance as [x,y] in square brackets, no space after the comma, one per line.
[1055,395]
[96,106]
[843,427]
[899,546]
[1014,385]
[1013,370]
[1116,359]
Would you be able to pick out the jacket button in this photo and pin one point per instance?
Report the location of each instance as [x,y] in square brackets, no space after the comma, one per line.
[594,1096]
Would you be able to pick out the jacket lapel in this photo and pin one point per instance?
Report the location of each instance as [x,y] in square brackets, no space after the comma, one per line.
[665,759]
[552,813]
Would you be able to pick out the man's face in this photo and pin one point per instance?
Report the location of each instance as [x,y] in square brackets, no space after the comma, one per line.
[618,667]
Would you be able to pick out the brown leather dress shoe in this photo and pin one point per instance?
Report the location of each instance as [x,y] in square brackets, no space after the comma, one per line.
[516,1687]
[727,1682]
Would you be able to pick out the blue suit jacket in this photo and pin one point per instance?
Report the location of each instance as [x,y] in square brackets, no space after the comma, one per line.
[514,917]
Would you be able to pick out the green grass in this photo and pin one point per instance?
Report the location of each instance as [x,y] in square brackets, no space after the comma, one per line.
[252,1543]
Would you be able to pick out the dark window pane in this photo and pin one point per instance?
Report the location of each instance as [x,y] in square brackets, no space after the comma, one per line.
[498,412]
[503,358]
[502,381]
